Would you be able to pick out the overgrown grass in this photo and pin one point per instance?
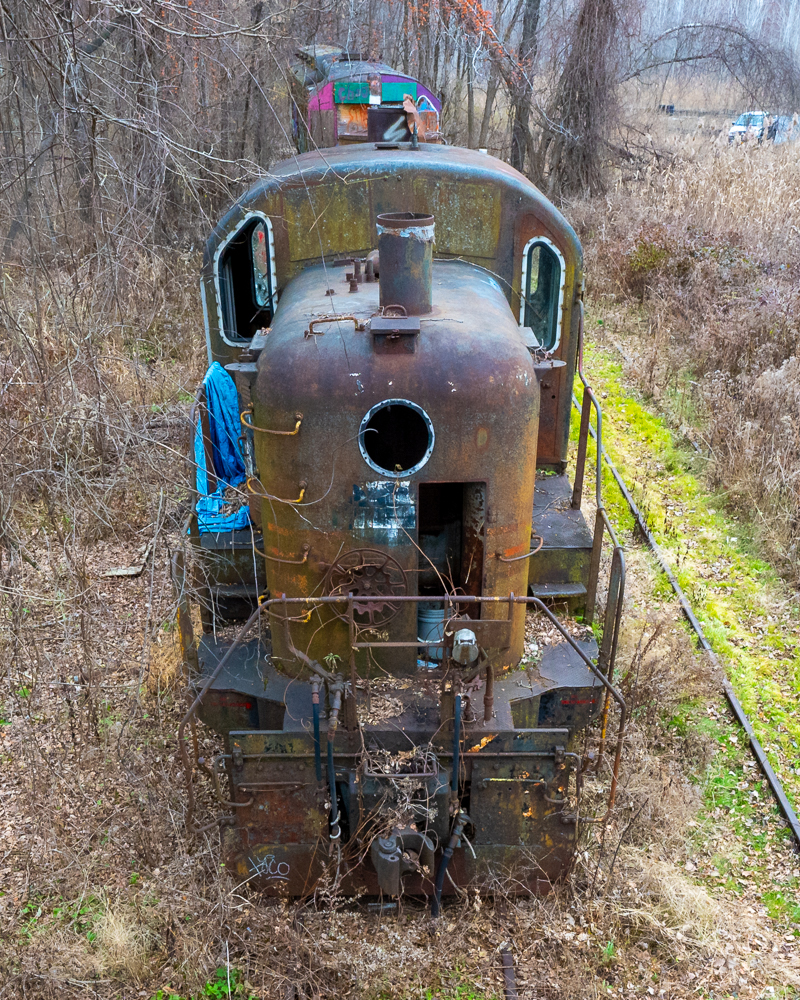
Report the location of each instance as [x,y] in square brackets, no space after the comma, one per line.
[748,612]
[225,983]
[694,270]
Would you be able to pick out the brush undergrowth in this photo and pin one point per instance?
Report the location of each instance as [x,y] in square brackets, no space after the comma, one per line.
[104,894]
[693,270]
[747,611]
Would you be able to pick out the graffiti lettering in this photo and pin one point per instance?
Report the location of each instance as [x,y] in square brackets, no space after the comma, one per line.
[268,867]
[396,131]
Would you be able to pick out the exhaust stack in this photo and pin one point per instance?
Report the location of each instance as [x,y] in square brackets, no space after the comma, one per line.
[405,251]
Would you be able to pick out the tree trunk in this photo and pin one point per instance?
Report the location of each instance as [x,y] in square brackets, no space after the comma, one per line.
[470,104]
[522,91]
[406,29]
[582,112]
[491,95]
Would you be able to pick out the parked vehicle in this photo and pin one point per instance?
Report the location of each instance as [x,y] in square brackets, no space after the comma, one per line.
[783,129]
[748,126]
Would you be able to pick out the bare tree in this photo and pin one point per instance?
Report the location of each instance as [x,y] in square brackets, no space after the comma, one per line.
[582,110]
[521,86]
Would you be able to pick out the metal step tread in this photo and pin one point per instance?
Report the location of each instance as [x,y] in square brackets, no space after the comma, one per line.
[235,589]
[227,541]
[554,520]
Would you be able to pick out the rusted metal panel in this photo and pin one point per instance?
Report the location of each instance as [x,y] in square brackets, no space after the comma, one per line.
[276,869]
[492,634]
[511,803]
[485,212]
[322,123]
[490,378]
[328,218]
[395,335]
[468,215]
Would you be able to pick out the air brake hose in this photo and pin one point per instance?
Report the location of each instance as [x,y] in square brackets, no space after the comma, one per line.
[336,831]
[455,837]
[461,818]
[333,717]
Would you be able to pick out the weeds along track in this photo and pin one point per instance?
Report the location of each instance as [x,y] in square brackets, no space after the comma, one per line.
[646,535]
[695,269]
[746,609]
[103,891]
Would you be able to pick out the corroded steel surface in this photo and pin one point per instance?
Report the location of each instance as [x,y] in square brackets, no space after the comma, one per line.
[395,455]
[473,376]
[326,204]
[405,248]
[521,827]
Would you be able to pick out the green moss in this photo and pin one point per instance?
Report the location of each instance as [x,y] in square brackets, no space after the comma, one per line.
[746,610]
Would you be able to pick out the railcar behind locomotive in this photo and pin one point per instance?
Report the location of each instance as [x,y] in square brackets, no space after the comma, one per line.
[341,97]
[402,324]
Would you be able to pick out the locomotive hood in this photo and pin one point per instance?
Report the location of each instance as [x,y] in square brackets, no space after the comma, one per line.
[469,340]
[390,408]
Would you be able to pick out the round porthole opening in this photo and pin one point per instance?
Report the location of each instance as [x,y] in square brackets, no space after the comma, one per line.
[396,437]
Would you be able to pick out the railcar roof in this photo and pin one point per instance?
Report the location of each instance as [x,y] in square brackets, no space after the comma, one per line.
[346,69]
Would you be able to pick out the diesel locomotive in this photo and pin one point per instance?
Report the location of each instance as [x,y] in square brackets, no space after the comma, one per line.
[382,498]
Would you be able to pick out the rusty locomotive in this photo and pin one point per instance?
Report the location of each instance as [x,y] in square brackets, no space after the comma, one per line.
[402,323]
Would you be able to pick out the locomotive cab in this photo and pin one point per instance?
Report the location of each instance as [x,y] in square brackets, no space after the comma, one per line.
[402,329]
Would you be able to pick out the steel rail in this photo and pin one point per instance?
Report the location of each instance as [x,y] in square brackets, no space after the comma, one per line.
[705,645]
[509,975]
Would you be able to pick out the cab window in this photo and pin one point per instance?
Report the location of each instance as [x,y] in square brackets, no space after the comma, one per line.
[246,273]
[542,291]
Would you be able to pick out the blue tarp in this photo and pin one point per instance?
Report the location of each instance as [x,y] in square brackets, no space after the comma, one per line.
[222,402]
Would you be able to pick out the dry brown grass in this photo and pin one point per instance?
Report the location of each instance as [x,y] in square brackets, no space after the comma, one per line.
[693,267]
[105,895]
[128,904]
[745,191]
[124,941]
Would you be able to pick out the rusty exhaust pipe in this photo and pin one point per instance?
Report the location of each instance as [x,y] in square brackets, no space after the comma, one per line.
[405,250]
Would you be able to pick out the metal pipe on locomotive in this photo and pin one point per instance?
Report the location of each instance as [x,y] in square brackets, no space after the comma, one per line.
[402,325]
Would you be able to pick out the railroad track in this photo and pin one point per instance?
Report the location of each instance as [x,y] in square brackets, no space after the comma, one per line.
[647,536]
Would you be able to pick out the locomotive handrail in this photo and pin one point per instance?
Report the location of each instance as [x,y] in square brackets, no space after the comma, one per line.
[311,332]
[602,524]
[596,670]
[525,555]
[268,496]
[305,549]
[266,430]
